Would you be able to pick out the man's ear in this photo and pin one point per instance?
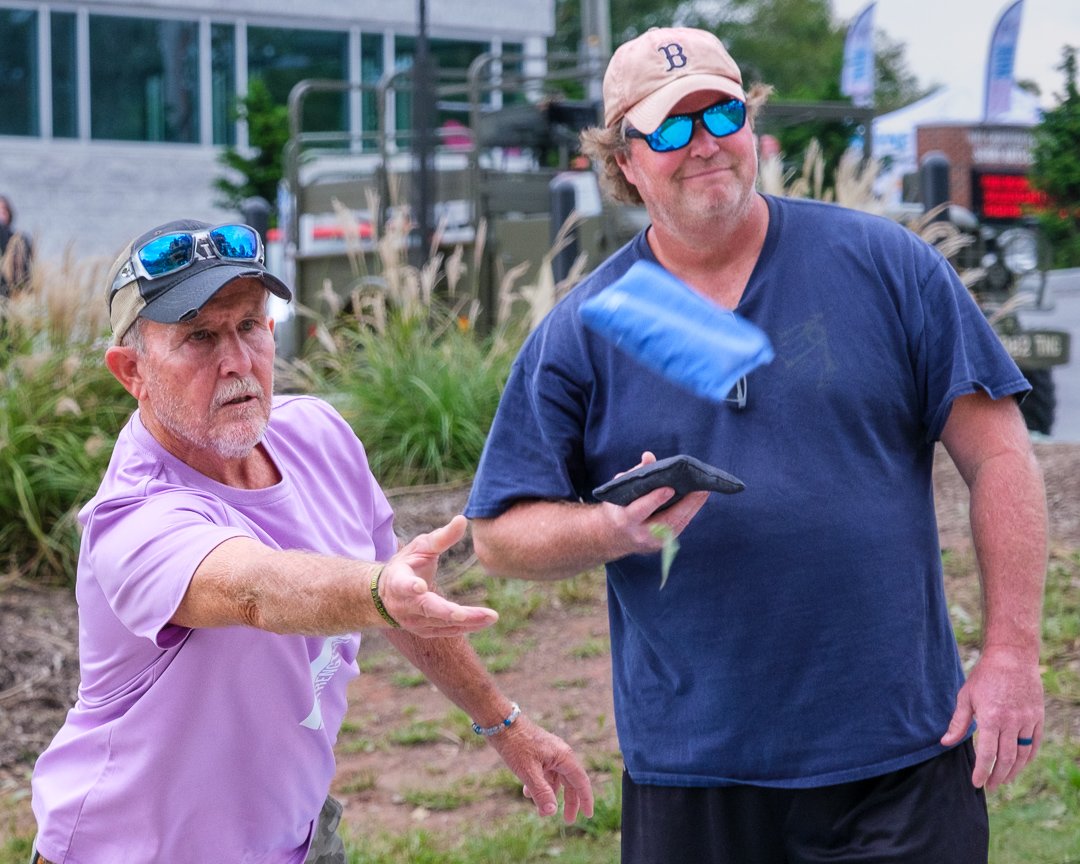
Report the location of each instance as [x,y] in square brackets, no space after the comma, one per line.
[123,362]
[623,161]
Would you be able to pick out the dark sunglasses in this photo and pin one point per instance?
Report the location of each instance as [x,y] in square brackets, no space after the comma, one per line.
[722,119]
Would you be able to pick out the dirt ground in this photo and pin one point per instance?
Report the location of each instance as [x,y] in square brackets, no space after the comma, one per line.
[561,678]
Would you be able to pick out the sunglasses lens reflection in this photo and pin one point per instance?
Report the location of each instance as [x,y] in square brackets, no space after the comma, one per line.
[167,253]
[674,133]
[725,119]
[236,241]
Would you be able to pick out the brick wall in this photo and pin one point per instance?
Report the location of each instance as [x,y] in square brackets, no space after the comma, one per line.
[952,141]
[986,147]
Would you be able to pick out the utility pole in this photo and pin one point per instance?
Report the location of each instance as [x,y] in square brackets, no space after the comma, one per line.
[423,103]
[595,43]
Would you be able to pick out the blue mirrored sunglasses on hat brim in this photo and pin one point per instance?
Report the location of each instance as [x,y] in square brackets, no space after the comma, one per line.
[170,253]
[167,254]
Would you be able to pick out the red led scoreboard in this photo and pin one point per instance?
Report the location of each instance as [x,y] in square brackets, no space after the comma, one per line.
[1002,195]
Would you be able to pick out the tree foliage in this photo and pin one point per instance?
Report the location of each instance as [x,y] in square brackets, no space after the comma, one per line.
[896,84]
[258,172]
[791,44]
[1056,168]
[794,45]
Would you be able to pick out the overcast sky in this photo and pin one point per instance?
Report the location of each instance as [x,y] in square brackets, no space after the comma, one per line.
[946,41]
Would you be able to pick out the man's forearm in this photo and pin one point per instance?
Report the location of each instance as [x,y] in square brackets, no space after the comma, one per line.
[542,761]
[543,540]
[244,582]
[452,666]
[1009,527]
[991,448]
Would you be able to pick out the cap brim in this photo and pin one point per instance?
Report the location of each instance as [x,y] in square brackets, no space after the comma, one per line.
[188,295]
[650,112]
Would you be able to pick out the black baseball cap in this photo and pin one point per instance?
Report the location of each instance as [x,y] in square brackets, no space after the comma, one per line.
[169,273]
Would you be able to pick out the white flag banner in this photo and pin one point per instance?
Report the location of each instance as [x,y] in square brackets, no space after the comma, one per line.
[1000,61]
[857,78]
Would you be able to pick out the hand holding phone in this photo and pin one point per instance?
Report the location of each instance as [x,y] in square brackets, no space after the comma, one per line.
[682,473]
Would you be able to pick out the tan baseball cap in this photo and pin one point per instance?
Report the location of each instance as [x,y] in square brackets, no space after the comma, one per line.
[650,74]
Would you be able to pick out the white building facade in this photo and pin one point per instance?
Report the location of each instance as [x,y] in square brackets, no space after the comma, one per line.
[113,114]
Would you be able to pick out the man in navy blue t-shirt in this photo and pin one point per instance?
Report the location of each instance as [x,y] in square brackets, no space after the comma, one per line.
[795,692]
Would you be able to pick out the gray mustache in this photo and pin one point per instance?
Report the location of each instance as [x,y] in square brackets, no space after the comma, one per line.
[237,389]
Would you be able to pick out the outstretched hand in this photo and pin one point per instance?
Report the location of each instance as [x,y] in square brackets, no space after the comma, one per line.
[407,588]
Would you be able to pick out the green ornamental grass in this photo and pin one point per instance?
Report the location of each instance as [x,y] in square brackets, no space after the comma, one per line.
[60,412]
[420,394]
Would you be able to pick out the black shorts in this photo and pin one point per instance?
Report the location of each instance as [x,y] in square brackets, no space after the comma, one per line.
[924,814]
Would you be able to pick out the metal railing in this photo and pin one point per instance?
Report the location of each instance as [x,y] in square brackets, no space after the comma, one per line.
[491,84]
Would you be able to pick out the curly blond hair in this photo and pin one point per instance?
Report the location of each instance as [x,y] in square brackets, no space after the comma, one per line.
[603,144]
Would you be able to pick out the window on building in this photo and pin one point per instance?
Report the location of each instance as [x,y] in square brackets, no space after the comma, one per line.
[223,84]
[371,72]
[282,58]
[514,65]
[450,59]
[455,56]
[65,72]
[153,94]
[19,73]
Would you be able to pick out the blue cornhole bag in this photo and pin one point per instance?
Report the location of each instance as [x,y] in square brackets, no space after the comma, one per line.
[670,328]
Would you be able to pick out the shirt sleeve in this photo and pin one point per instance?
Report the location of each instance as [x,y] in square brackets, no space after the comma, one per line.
[958,351]
[143,552]
[534,449]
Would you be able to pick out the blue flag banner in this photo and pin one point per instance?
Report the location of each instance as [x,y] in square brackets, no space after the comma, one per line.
[999,62]
[858,78]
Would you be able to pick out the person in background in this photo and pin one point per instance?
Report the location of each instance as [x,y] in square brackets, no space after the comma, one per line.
[237,544]
[16,252]
[795,691]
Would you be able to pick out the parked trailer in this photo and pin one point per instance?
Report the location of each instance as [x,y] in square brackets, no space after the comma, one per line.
[501,180]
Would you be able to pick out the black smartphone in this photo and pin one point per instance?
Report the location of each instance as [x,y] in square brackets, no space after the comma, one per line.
[682,473]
